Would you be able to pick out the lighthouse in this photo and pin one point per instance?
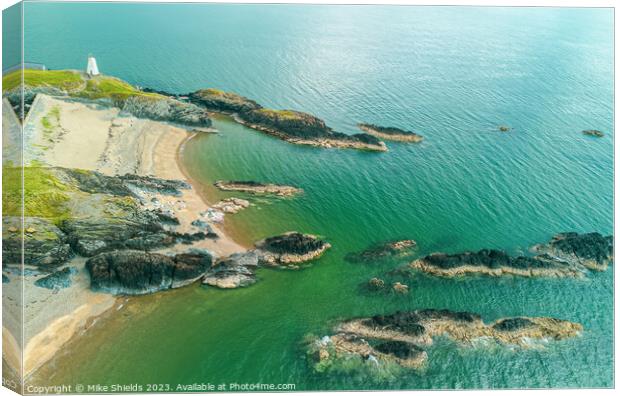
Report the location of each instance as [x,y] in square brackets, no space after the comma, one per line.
[91,66]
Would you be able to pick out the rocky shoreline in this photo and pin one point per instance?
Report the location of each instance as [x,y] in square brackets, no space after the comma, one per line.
[402,338]
[289,125]
[566,255]
[391,133]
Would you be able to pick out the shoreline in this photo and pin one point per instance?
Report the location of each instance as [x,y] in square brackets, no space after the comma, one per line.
[141,146]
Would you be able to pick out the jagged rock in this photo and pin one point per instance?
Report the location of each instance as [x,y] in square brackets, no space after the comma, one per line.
[593,132]
[224,102]
[136,272]
[237,270]
[165,109]
[138,229]
[401,337]
[391,133]
[396,248]
[567,254]
[593,250]
[290,248]
[57,280]
[94,182]
[45,246]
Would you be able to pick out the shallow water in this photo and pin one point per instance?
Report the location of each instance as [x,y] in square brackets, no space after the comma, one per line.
[451,74]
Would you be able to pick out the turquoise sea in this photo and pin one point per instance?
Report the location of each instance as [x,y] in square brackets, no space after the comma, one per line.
[452,74]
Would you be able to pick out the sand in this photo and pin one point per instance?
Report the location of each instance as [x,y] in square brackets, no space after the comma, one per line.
[75,134]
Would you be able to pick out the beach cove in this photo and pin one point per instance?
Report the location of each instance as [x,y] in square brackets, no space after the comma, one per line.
[466,186]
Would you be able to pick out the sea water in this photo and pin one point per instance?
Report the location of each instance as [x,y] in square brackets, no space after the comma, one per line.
[452,74]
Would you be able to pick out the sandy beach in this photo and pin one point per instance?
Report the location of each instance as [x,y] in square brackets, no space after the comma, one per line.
[75,134]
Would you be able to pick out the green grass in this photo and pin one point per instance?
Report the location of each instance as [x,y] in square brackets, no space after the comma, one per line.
[62,79]
[113,88]
[73,82]
[44,195]
[289,114]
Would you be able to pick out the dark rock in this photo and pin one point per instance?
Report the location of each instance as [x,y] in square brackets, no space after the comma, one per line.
[224,102]
[5,279]
[97,183]
[406,322]
[400,349]
[512,324]
[57,280]
[137,229]
[593,250]
[136,272]
[593,132]
[292,243]
[391,133]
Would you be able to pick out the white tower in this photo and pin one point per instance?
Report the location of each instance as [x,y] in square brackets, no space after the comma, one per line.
[91,67]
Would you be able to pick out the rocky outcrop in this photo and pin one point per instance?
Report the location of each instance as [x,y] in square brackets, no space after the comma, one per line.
[58,279]
[97,183]
[45,245]
[290,125]
[165,109]
[303,128]
[223,102]
[231,205]
[504,128]
[395,248]
[391,133]
[134,272]
[402,337]
[253,187]
[136,229]
[237,270]
[566,255]
[592,250]
[290,249]
[593,132]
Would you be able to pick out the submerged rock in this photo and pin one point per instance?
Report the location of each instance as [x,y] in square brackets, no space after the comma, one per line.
[566,255]
[402,337]
[135,272]
[391,133]
[504,128]
[57,280]
[376,284]
[253,187]
[395,248]
[593,132]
